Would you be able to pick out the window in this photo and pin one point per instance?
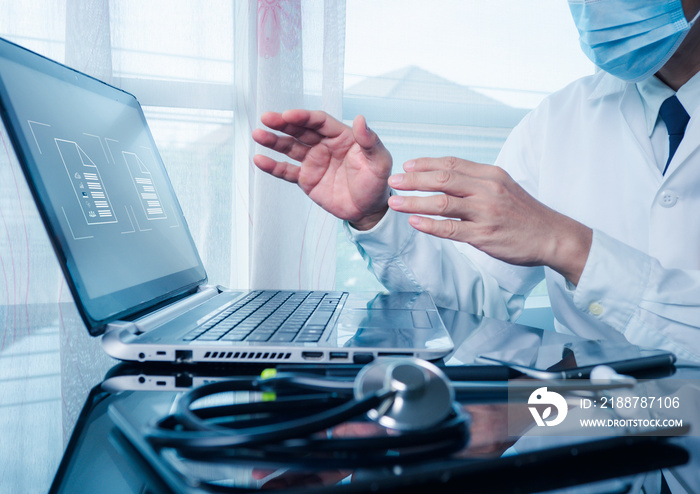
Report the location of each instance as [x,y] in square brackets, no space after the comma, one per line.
[450,78]
[177,58]
[433,78]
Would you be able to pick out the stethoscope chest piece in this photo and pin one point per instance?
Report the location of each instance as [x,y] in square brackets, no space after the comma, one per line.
[422,398]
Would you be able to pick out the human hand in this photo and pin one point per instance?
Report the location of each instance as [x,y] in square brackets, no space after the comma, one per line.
[343,169]
[489,210]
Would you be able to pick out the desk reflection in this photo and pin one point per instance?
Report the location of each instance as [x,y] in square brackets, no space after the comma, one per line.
[49,365]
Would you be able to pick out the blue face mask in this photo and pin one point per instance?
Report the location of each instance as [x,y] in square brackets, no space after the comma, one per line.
[630,39]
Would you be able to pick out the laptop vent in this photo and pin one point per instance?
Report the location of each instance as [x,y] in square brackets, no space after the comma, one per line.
[247,355]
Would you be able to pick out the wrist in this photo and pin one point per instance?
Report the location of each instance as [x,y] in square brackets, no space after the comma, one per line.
[370,221]
[570,249]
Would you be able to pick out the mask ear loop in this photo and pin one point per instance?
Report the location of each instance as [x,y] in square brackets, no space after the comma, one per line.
[692,22]
[675,48]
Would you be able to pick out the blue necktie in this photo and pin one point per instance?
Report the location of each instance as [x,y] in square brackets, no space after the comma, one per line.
[676,119]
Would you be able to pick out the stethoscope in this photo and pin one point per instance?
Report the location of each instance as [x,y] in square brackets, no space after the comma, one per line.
[411,399]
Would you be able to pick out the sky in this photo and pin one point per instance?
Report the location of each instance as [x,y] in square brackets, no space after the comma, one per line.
[514,50]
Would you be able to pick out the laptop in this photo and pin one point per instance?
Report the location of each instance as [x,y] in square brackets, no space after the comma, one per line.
[123,243]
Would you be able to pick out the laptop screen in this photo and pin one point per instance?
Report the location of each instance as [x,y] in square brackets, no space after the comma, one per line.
[100,185]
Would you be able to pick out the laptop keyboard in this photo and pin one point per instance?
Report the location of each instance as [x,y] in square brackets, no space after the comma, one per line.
[271,316]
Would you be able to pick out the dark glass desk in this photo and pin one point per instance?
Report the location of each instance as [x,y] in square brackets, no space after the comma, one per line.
[49,367]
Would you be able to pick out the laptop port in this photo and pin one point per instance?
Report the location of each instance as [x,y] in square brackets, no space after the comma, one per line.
[362,358]
[183,381]
[183,355]
[338,355]
[312,355]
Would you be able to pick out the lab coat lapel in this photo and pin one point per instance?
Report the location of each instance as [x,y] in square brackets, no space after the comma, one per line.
[632,112]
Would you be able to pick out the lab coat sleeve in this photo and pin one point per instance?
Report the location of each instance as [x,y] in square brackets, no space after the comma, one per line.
[404,259]
[632,292]
[457,275]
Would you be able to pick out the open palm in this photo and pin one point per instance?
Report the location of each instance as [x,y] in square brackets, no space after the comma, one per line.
[343,169]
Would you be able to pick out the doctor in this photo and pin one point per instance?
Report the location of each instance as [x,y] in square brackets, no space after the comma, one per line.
[597,190]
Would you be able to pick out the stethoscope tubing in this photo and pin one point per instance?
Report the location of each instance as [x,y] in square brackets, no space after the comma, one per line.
[246,430]
[200,434]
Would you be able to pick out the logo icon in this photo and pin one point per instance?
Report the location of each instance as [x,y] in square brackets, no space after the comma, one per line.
[551,399]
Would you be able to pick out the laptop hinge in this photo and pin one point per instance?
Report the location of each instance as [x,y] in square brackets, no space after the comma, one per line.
[161,316]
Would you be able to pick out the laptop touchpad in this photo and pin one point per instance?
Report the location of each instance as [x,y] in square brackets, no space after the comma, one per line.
[386,318]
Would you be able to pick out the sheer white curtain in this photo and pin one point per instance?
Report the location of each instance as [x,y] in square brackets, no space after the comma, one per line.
[288,54]
[204,72]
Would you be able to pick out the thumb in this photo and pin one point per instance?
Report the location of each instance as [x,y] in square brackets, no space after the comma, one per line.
[365,137]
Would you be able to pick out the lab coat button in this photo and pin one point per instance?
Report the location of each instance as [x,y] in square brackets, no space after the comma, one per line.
[595,308]
[668,199]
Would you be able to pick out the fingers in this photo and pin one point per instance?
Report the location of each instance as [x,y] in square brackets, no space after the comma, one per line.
[446,181]
[451,229]
[280,169]
[439,204]
[275,121]
[449,163]
[367,139]
[282,144]
[450,175]
[309,127]
[319,121]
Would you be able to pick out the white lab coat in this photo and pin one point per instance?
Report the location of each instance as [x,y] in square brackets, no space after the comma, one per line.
[585,152]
